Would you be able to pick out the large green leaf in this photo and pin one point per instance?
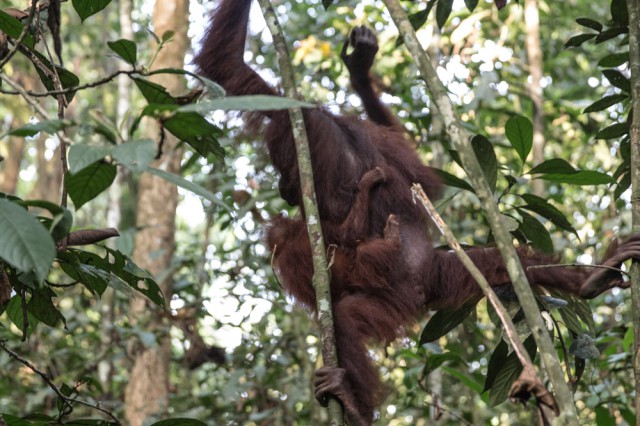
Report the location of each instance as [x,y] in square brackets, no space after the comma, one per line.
[443,10]
[126,49]
[606,102]
[519,132]
[510,370]
[47,126]
[536,232]
[617,79]
[487,158]
[89,182]
[446,320]
[83,155]
[190,186]
[13,28]
[581,177]
[87,8]
[136,155]
[25,244]
[545,209]
[245,103]
[41,306]
[555,165]
[154,93]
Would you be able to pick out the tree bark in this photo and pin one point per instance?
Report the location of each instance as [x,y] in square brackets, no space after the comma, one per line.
[534,55]
[147,393]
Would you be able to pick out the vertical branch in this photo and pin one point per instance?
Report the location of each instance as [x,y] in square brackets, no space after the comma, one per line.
[534,55]
[320,267]
[634,134]
[460,139]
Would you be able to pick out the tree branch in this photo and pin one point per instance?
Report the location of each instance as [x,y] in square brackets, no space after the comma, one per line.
[320,267]
[460,139]
[634,135]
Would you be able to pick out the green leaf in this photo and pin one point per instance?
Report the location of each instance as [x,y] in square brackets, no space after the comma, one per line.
[196,131]
[496,362]
[443,10]
[619,12]
[582,177]
[89,182]
[614,131]
[13,28]
[614,60]
[87,8]
[41,306]
[536,232]
[487,158]
[465,379]
[47,126]
[555,165]
[61,221]
[453,181]
[577,40]
[83,155]
[25,243]
[67,78]
[622,186]
[126,49]
[617,79]
[545,209]
[136,155]
[606,102]
[245,103]
[419,18]
[180,421]
[446,320]
[604,416]
[590,23]
[471,4]
[610,33]
[519,132]
[510,371]
[84,268]
[190,186]
[125,269]
[16,315]
[434,361]
[154,93]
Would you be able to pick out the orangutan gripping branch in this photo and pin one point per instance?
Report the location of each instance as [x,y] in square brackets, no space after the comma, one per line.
[385,271]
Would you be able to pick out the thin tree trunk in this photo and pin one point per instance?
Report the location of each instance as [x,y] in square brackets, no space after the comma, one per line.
[147,392]
[114,208]
[634,134]
[534,55]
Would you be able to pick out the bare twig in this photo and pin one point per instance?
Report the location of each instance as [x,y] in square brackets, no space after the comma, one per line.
[45,377]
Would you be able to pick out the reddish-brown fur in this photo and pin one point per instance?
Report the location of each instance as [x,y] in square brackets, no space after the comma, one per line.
[385,271]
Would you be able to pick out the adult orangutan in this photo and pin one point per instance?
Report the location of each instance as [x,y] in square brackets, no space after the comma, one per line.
[385,271]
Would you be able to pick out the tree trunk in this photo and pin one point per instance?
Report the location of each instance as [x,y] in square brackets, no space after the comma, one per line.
[147,393]
[534,55]
[114,208]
